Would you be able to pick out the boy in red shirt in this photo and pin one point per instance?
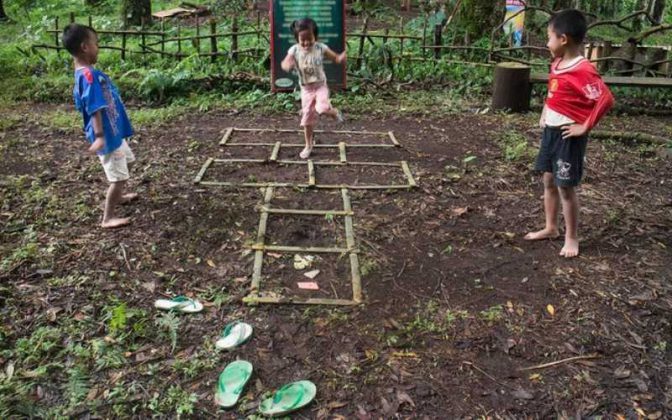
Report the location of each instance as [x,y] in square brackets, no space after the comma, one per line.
[577,99]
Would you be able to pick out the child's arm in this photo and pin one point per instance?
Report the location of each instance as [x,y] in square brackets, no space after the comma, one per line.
[336,58]
[542,119]
[602,105]
[289,62]
[99,141]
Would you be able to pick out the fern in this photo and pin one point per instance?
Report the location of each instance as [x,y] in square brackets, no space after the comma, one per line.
[77,386]
[119,318]
[169,324]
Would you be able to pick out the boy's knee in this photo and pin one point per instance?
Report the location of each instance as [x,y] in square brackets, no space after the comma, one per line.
[548,181]
[566,193]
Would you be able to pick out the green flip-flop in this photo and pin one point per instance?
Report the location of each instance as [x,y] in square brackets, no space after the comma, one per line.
[231,383]
[290,397]
[234,334]
[179,303]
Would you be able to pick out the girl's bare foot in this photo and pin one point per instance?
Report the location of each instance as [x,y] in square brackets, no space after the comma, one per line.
[571,248]
[127,198]
[115,223]
[545,233]
[305,153]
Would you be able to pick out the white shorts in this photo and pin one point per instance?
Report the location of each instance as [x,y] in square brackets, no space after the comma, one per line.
[115,164]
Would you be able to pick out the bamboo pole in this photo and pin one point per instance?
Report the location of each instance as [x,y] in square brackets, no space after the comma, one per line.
[275,152]
[123,46]
[298,301]
[302,249]
[227,136]
[319,146]
[409,175]
[256,272]
[308,212]
[356,278]
[341,149]
[311,173]
[213,39]
[179,41]
[72,17]
[204,168]
[393,139]
[57,31]
[240,160]
[198,35]
[284,130]
[252,184]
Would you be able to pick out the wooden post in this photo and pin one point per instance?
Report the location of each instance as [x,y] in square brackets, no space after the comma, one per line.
[179,41]
[258,30]
[438,28]
[163,37]
[606,52]
[213,39]
[123,46]
[511,90]
[424,36]
[142,40]
[234,38]
[72,17]
[198,35]
[401,40]
[362,38]
[56,34]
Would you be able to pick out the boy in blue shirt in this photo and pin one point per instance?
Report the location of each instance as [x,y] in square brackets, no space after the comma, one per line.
[105,121]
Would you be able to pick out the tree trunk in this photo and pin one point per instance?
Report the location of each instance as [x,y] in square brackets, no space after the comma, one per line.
[511,87]
[136,12]
[3,15]
[480,16]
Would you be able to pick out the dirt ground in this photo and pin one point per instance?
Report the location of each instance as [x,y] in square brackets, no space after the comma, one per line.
[458,309]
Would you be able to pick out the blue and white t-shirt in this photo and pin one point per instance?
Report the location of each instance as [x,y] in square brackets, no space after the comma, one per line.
[93,92]
[310,63]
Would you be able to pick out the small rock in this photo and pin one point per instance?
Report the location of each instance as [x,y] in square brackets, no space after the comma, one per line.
[522,394]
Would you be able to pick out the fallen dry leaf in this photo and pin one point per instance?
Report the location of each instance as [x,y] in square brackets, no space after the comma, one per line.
[550,309]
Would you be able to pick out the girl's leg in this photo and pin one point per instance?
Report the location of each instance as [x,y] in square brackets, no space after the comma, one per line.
[323,104]
[308,135]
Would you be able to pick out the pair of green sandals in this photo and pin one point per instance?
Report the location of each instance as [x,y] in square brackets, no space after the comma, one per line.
[232,380]
[235,376]
[287,399]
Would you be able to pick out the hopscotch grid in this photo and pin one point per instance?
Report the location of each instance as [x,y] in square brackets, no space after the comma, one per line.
[260,247]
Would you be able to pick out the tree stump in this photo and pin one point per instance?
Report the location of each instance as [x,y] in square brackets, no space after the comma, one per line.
[511,87]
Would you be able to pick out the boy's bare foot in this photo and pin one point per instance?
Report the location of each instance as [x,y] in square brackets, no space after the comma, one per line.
[115,223]
[542,234]
[571,248]
[127,198]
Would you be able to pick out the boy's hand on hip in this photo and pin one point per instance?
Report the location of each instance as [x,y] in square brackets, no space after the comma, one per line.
[574,130]
[98,144]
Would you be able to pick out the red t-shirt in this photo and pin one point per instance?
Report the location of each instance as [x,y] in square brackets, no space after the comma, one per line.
[578,92]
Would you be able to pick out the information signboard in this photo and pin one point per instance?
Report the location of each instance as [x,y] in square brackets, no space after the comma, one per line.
[330,18]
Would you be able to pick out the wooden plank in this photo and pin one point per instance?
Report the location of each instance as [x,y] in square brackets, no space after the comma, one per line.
[341,150]
[409,175]
[618,80]
[276,151]
[298,301]
[204,168]
[227,136]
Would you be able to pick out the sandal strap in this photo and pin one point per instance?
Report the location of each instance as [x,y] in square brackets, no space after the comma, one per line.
[286,390]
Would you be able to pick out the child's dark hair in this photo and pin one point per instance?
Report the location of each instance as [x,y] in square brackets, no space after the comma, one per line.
[571,23]
[74,35]
[305,24]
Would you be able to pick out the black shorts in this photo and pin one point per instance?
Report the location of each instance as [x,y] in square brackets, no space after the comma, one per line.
[562,157]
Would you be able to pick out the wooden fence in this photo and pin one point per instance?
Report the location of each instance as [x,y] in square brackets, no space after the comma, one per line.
[396,46]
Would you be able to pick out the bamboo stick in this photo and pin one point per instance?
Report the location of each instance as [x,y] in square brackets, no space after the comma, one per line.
[227,136]
[213,38]
[252,184]
[393,138]
[204,168]
[311,173]
[297,249]
[240,161]
[356,278]
[308,212]
[275,152]
[256,272]
[409,175]
[284,130]
[298,301]
[341,149]
[321,146]
[234,38]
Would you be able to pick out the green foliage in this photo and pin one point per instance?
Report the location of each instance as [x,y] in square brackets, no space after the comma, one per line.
[515,146]
[168,324]
[118,319]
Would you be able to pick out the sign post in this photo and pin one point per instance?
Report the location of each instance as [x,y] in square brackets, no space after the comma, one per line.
[330,18]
